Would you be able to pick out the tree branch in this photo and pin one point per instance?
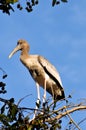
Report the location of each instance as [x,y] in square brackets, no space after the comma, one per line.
[73,121]
[61,115]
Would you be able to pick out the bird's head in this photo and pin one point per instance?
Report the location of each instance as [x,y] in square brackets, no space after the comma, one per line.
[21,45]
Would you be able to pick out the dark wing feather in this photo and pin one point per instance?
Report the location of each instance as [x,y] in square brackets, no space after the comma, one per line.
[50,69]
[54,75]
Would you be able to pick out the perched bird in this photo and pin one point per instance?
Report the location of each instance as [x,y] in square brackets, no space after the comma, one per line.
[42,71]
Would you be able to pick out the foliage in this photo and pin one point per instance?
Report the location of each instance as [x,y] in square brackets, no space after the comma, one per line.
[49,115]
[7,5]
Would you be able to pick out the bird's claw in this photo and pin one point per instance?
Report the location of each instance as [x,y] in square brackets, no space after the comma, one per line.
[38,103]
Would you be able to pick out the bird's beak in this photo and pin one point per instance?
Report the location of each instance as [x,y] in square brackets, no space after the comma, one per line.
[18,47]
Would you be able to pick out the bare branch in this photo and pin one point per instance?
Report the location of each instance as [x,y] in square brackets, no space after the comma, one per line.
[80,122]
[61,115]
[72,121]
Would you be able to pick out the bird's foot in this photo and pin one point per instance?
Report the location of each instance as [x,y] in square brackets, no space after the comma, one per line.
[44,102]
[38,103]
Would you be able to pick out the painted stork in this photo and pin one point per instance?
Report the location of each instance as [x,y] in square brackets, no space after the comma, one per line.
[42,71]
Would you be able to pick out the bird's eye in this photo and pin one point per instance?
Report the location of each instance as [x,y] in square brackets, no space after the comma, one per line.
[19,42]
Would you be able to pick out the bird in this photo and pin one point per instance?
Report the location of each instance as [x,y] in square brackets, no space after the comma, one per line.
[42,71]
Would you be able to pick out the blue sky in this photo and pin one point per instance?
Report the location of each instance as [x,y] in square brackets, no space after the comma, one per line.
[56,33]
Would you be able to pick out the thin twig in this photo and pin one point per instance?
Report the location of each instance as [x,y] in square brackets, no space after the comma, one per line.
[73,120]
[68,111]
[22,99]
[80,123]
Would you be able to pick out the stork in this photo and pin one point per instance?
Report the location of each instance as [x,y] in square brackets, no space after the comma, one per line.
[42,71]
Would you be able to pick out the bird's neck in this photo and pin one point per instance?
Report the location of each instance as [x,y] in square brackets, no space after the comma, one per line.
[24,54]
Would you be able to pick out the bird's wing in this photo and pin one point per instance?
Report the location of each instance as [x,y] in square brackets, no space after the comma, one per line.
[50,70]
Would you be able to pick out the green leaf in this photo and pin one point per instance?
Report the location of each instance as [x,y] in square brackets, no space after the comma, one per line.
[4,76]
[30,128]
[3,108]
[53,2]
[12,111]
[4,119]
[64,0]
[11,1]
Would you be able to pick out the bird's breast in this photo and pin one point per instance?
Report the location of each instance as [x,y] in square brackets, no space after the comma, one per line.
[35,69]
[38,74]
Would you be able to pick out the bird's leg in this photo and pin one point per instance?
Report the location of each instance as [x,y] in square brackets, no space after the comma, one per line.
[44,96]
[38,91]
[38,100]
[38,94]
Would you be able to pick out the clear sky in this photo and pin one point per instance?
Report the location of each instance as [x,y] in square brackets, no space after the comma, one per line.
[59,34]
